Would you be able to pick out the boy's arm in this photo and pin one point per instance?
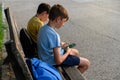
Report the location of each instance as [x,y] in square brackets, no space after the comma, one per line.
[60,58]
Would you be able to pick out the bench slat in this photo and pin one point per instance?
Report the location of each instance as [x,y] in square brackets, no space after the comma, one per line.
[13,56]
[73,73]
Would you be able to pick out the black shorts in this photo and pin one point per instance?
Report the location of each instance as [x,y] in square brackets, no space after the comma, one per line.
[71,60]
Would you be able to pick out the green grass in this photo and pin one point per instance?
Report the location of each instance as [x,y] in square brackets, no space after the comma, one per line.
[1,34]
[2,27]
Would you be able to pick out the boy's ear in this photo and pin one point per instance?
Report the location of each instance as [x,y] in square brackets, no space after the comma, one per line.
[57,19]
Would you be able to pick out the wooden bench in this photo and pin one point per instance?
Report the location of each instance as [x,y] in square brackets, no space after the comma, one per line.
[17,57]
[15,52]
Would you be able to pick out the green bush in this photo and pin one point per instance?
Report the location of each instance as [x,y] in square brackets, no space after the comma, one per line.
[2,27]
[0,38]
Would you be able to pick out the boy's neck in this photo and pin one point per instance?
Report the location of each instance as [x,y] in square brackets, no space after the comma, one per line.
[52,24]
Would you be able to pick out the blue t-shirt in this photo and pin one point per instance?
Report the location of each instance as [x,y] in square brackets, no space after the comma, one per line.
[48,39]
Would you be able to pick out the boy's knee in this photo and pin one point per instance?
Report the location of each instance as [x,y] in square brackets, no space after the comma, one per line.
[87,63]
[75,51]
[84,62]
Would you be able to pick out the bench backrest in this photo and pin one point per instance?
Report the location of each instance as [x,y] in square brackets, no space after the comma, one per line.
[15,51]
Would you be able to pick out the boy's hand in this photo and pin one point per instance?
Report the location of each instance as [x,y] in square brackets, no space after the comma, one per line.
[68,50]
[64,44]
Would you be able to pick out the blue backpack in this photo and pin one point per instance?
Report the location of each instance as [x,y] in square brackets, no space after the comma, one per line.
[44,71]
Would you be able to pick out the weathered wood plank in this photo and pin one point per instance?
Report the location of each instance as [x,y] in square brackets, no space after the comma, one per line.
[18,61]
[61,72]
[73,73]
[15,65]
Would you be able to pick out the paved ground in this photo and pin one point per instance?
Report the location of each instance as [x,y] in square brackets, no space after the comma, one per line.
[0,1]
[93,25]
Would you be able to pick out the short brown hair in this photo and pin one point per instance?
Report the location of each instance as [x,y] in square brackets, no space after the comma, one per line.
[58,10]
[43,7]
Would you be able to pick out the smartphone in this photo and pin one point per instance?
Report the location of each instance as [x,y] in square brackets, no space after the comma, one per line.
[71,45]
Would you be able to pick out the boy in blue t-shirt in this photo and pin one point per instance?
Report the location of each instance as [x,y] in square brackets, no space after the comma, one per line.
[50,47]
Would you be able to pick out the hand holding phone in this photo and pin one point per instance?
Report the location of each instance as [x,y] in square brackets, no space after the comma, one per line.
[71,45]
